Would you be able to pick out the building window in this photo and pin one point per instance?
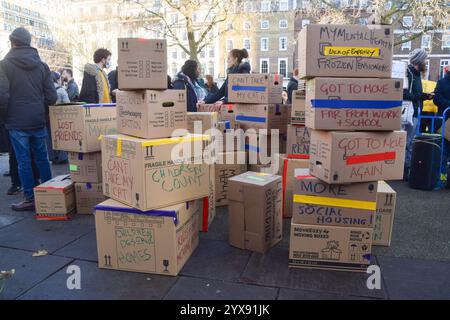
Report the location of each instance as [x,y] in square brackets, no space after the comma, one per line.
[202,54]
[211,68]
[174,18]
[248,7]
[185,37]
[265,6]
[183,54]
[426,41]
[444,63]
[174,54]
[247,44]
[229,26]
[305,22]
[212,52]
[264,44]
[283,43]
[247,25]
[283,24]
[229,45]
[283,67]
[446,41]
[428,21]
[407,21]
[406,45]
[174,69]
[264,24]
[284,5]
[363,21]
[264,66]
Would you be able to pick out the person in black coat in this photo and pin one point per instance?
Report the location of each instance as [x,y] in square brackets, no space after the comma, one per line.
[235,61]
[292,85]
[442,100]
[95,87]
[114,84]
[187,79]
[210,85]
[26,89]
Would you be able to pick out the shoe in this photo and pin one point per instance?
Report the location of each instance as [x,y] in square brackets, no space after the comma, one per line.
[14,190]
[25,205]
[7,174]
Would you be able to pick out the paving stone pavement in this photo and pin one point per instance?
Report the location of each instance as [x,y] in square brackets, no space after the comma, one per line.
[416,266]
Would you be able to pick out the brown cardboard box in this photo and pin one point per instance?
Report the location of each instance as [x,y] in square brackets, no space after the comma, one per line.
[227,113]
[298,139]
[142,63]
[88,195]
[357,51]
[286,168]
[384,218]
[159,241]
[262,168]
[254,211]
[142,174]
[205,120]
[297,114]
[345,157]
[151,114]
[85,167]
[77,128]
[261,148]
[330,248]
[211,198]
[255,88]
[345,205]
[254,116]
[354,104]
[229,139]
[229,164]
[55,199]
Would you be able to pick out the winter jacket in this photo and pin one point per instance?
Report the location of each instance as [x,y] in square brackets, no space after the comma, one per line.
[114,83]
[73,91]
[244,67]
[442,94]
[414,93]
[26,89]
[92,87]
[292,85]
[213,89]
[63,97]
[183,82]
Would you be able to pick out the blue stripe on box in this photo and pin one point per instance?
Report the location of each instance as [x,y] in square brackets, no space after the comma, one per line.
[97,105]
[249,88]
[153,213]
[251,119]
[252,148]
[355,104]
[88,185]
[80,156]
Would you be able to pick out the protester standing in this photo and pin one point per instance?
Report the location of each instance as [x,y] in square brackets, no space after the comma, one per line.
[71,85]
[292,85]
[114,84]
[95,87]
[187,79]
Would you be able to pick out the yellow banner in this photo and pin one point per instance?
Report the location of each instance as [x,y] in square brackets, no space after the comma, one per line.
[352,51]
[334,202]
[160,142]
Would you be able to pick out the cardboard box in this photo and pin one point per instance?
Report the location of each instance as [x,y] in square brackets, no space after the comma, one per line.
[345,205]
[227,113]
[261,148]
[230,164]
[229,139]
[55,199]
[77,128]
[255,88]
[298,139]
[254,211]
[88,195]
[142,173]
[297,115]
[354,104]
[151,114]
[211,198]
[142,63]
[354,51]
[287,164]
[158,242]
[204,120]
[261,168]
[85,167]
[345,157]
[269,117]
[330,248]
[384,218]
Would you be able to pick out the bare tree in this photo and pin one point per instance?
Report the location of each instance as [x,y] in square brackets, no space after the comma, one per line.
[161,19]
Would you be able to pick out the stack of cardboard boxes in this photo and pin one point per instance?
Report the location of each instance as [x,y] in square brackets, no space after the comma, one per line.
[76,128]
[353,109]
[153,171]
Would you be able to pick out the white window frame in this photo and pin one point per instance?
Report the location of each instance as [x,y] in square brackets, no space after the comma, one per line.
[264,21]
[406,45]
[249,44]
[261,44]
[261,60]
[283,21]
[265,4]
[445,38]
[407,21]
[425,36]
[428,21]
[227,46]
[287,66]
[285,5]
[280,42]
[442,64]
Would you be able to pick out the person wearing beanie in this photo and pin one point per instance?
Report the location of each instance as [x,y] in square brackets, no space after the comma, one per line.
[415,94]
[188,79]
[26,90]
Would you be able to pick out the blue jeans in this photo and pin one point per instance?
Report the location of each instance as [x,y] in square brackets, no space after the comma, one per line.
[23,142]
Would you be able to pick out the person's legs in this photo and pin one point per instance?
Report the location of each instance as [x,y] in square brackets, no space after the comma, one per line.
[39,149]
[410,134]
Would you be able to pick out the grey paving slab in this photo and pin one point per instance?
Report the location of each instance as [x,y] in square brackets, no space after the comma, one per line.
[30,234]
[216,260]
[271,269]
[291,294]
[218,230]
[102,284]
[6,220]
[29,270]
[411,290]
[203,289]
[84,248]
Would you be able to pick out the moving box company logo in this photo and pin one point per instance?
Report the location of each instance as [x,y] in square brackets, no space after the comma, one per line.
[130,114]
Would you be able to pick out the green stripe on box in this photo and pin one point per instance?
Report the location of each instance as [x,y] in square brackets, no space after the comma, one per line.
[73,167]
